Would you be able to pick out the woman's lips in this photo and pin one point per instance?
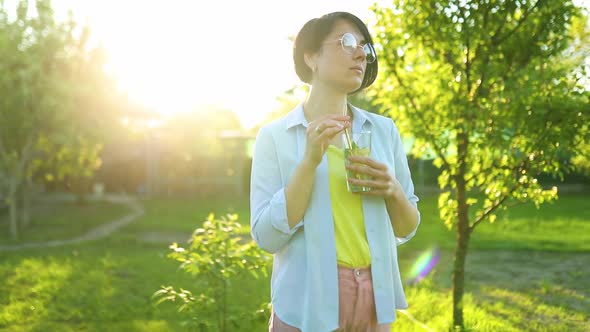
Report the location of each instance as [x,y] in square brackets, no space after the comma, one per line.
[358,70]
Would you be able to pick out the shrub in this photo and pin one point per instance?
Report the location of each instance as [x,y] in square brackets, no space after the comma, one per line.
[217,256]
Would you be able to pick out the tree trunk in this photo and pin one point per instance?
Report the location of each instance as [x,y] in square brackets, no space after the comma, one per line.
[13,217]
[459,272]
[12,201]
[463,233]
[16,184]
[26,204]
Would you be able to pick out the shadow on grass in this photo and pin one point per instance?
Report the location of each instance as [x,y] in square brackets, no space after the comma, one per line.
[534,290]
[505,291]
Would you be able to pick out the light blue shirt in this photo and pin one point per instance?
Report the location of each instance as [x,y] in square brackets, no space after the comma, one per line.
[304,283]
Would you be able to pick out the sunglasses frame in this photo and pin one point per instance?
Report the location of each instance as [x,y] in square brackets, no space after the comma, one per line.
[362,47]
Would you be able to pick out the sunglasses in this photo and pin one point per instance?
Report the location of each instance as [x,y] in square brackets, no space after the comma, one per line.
[350,44]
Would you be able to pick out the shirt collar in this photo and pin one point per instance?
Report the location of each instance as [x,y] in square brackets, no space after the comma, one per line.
[297,117]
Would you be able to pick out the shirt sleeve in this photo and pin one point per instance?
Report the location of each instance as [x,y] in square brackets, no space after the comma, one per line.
[268,205]
[403,175]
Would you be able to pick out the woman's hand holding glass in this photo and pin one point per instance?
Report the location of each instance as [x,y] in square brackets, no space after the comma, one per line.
[319,134]
[382,182]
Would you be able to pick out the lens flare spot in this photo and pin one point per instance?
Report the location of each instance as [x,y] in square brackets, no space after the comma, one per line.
[424,265]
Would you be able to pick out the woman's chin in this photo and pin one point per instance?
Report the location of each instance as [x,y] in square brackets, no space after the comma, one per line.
[353,87]
[350,86]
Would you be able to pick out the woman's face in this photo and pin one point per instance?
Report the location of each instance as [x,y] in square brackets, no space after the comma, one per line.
[336,67]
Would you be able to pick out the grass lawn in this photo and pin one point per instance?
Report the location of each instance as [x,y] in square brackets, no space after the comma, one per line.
[527,272]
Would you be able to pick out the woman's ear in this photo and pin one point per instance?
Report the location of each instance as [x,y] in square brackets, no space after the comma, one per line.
[310,61]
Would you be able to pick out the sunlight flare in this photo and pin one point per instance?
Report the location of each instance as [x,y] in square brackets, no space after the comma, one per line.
[424,265]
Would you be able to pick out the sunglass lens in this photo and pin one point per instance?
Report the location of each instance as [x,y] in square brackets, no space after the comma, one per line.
[349,42]
[369,52]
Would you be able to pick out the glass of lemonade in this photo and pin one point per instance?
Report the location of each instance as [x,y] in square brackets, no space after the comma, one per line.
[361,146]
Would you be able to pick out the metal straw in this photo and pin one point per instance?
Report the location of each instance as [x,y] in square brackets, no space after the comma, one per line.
[346,133]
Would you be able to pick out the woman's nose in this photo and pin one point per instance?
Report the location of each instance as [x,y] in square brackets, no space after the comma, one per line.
[359,53]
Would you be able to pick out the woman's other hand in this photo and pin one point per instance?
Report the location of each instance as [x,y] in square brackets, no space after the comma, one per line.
[382,182]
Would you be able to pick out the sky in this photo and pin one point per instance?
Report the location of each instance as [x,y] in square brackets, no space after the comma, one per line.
[180,55]
[183,55]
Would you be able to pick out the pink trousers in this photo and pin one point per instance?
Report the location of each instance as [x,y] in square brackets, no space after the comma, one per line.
[356,304]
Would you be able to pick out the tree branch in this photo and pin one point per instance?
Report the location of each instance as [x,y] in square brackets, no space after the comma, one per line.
[423,122]
[499,40]
[465,30]
[482,79]
[497,32]
[519,167]
[496,205]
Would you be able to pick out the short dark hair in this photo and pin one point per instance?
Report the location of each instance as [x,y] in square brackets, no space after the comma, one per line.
[310,39]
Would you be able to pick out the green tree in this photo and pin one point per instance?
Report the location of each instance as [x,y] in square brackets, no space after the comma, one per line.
[493,89]
[582,160]
[51,85]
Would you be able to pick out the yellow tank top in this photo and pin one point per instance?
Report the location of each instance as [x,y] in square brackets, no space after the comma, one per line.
[352,247]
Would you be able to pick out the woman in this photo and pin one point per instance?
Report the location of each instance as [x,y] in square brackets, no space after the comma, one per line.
[335,258]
